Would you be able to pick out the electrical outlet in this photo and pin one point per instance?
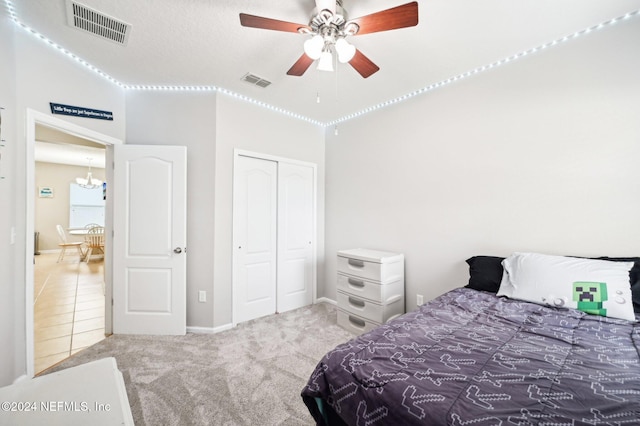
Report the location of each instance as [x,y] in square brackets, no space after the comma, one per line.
[419,299]
[202,296]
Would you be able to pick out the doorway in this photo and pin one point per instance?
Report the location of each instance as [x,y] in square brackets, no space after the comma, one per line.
[34,121]
[69,302]
[274,235]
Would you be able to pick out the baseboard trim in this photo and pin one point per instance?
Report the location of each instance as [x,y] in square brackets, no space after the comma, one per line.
[209,330]
[225,327]
[326,300]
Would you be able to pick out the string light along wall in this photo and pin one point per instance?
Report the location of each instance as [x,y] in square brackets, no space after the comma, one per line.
[333,123]
[483,68]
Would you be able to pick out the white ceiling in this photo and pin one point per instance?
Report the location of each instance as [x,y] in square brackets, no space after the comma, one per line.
[75,155]
[201,42]
[54,146]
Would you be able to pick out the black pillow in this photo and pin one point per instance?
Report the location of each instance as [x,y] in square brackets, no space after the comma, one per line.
[485,273]
[634,278]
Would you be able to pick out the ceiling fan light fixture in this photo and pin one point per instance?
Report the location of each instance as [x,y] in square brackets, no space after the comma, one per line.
[329,24]
[326,61]
[313,47]
[345,50]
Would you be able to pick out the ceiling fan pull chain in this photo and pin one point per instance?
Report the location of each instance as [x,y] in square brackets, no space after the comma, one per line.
[336,61]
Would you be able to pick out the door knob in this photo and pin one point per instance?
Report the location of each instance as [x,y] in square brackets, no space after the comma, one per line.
[177,250]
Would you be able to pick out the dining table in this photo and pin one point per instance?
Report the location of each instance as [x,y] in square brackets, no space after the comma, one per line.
[78,231]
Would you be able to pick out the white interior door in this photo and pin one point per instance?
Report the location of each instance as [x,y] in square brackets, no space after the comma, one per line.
[296,207]
[254,235]
[149,240]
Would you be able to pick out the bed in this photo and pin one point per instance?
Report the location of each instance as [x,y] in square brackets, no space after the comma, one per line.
[474,356]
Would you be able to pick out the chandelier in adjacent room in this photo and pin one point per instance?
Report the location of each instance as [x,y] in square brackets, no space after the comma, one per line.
[89,182]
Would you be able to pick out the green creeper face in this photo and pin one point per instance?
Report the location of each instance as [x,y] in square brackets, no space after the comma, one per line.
[586,291]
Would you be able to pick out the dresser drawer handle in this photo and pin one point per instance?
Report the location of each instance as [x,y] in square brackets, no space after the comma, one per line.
[356,262]
[356,302]
[356,283]
[356,321]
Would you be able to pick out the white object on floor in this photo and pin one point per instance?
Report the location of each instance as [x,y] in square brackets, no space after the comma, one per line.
[89,394]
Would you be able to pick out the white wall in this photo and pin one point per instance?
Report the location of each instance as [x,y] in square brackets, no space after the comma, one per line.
[537,155]
[47,75]
[244,126]
[36,74]
[11,355]
[50,212]
[211,126]
[187,119]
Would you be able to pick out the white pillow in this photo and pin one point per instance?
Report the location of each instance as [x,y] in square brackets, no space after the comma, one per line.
[597,287]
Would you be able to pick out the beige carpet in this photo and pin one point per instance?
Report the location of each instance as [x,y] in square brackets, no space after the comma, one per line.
[250,375]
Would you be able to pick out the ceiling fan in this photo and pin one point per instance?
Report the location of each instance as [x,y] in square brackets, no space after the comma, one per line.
[329,27]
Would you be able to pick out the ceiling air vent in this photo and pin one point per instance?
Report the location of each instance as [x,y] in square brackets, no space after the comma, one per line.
[97,23]
[254,79]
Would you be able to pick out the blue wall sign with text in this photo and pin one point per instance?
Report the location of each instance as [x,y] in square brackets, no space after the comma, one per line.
[80,111]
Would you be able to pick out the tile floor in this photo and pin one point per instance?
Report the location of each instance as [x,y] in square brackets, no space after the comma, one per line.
[68,307]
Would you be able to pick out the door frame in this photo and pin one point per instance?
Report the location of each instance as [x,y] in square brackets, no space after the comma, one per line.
[34,118]
[314,247]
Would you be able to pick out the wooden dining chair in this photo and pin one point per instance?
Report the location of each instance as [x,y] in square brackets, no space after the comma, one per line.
[64,244]
[94,241]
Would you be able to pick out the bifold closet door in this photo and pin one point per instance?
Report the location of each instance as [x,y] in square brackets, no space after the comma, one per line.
[273,227]
[255,204]
[295,236]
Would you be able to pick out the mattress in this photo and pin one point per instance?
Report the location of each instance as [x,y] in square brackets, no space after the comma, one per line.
[469,357]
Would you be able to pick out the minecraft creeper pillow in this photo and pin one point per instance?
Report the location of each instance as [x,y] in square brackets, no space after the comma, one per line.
[596,287]
[590,297]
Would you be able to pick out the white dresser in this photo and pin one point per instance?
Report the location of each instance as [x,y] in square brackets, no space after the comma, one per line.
[370,288]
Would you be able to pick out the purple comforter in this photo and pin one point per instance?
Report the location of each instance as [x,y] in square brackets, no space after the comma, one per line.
[471,358]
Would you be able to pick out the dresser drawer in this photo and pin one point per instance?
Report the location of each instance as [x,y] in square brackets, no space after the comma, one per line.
[354,323]
[374,291]
[370,310]
[381,272]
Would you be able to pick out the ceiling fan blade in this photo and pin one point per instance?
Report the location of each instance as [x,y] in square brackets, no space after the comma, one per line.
[363,65]
[389,19]
[300,66]
[326,4]
[253,21]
